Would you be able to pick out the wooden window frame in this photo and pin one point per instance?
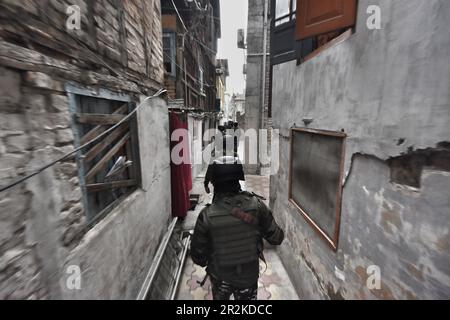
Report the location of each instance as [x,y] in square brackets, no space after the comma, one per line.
[345,31]
[333,240]
[173,52]
[125,136]
[292,15]
[346,19]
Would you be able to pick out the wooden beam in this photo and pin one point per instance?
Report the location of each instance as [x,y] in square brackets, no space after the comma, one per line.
[99,119]
[122,32]
[21,58]
[92,30]
[100,129]
[192,88]
[96,150]
[98,187]
[104,161]
[143,15]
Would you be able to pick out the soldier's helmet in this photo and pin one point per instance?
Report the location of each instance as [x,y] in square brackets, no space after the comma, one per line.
[227,169]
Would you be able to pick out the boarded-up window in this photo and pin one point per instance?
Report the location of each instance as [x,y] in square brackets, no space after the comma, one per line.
[109,168]
[316,174]
[320,17]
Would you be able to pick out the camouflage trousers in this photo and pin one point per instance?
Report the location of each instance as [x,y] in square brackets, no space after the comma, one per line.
[223,291]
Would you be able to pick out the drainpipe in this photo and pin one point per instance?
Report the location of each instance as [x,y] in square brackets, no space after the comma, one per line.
[186,95]
[263,89]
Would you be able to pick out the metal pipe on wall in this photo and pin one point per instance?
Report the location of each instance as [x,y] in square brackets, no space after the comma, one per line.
[145,290]
[264,69]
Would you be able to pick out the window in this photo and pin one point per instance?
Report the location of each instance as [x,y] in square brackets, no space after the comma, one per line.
[315,181]
[285,11]
[169,47]
[283,44]
[303,28]
[109,169]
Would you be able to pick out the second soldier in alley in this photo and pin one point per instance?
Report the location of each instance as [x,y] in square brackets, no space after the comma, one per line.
[229,233]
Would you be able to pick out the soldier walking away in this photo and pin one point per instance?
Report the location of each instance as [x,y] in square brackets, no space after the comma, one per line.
[229,233]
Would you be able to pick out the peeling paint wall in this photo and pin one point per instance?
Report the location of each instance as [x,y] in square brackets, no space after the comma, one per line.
[389,90]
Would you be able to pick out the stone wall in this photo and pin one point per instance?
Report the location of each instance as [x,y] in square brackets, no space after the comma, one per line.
[43,226]
[388,89]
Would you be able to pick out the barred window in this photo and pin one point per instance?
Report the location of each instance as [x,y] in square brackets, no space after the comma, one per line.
[109,169]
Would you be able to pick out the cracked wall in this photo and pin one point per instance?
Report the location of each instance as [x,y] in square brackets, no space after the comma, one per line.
[43,227]
[388,89]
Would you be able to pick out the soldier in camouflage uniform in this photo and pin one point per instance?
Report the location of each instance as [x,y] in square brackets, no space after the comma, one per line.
[228,236]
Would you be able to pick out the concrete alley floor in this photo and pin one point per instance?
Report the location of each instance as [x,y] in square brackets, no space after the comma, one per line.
[274,283]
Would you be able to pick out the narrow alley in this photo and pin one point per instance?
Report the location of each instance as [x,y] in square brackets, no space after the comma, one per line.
[295,149]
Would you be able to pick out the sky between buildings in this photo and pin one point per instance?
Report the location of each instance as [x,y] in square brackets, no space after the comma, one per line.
[233,17]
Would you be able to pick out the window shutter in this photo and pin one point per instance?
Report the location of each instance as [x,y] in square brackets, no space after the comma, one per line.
[318,17]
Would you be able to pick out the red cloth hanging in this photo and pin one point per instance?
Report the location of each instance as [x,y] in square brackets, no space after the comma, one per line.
[181,174]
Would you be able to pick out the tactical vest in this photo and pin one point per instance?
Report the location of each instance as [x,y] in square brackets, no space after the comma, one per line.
[233,225]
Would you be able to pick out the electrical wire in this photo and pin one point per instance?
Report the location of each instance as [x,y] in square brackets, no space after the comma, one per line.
[187,31]
[189,10]
[204,45]
[179,16]
[66,156]
[199,7]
